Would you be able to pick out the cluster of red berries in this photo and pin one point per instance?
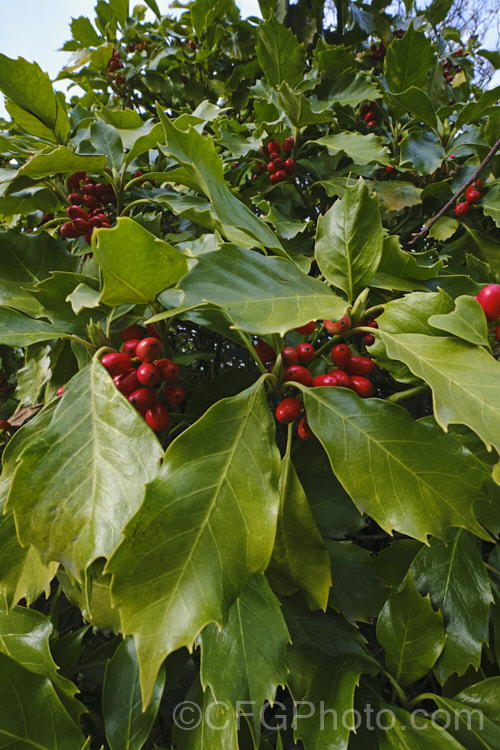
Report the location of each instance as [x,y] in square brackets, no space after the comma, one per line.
[138,368]
[368,114]
[378,51]
[86,209]
[448,67]
[140,46]
[489,299]
[140,173]
[278,168]
[113,65]
[472,196]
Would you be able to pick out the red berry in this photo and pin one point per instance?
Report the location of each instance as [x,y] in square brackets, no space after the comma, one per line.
[60,390]
[273,147]
[368,117]
[390,168]
[157,417]
[142,398]
[304,431]
[288,410]
[127,383]
[152,331]
[497,333]
[278,176]
[68,231]
[173,394]
[489,299]
[360,366]
[472,195]
[288,144]
[361,386]
[305,352]
[272,168]
[138,173]
[75,199]
[341,355]
[265,352]
[90,201]
[75,179]
[80,225]
[169,370]
[290,166]
[149,349]
[4,425]
[88,189]
[369,339]
[323,380]
[278,164]
[193,45]
[116,363]
[479,183]
[341,378]
[129,347]
[340,326]
[289,356]
[371,124]
[132,332]
[462,208]
[148,374]
[298,374]
[307,329]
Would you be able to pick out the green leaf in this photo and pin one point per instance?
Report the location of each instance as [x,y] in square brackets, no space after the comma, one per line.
[455,576]
[106,139]
[467,321]
[221,506]
[408,61]
[350,89]
[83,31]
[25,260]
[438,478]
[18,330]
[485,246]
[246,661]
[92,596]
[24,637]
[298,108]
[398,269]
[464,379]
[408,314]
[204,167]
[349,240]
[417,102]
[396,195]
[411,633]
[119,9]
[474,110]
[332,688]
[444,228]
[423,150]
[53,294]
[352,563]
[470,727]
[300,560]
[137,277]
[61,160]
[204,13]
[97,445]
[280,56]
[414,732]
[126,725]
[393,563]
[362,149]
[490,204]
[484,695]
[438,10]
[38,720]
[32,198]
[217,729]
[82,297]
[258,294]
[29,123]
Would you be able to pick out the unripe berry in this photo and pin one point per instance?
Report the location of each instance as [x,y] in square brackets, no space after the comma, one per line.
[148,374]
[149,349]
[116,363]
[169,370]
[305,352]
[288,410]
[157,417]
[489,299]
[173,394]
[298,374]
[341,355]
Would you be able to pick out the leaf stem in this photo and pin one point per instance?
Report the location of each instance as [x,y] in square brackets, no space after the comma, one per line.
[396,398]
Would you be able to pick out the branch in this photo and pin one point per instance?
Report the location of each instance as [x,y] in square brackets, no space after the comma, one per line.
[445,208]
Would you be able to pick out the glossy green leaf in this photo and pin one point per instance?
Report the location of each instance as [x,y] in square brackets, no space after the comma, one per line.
[32,198]
[474,110]
[83,296]
[204,167]
[438,479]
[362,149]
[107,141]
[18,330]
[352,563]
[484,695]
[408,61]
[444,228]
[396,195]
[92,596]
[398,268]
[490,204]
[464,379]
[62,160]
[280,55]
[411,633]
[332,688]
[467,321]
[246,661]
[298,108]
[350,89]
[24,636]
[417,102]
[217,732]
[80,479]
[455,576]
[83,31]
[438,10]
[32,715]
[405,731]
[205,12]
[258,294]
[126,725]
[140,276]
[392,564]
[423,150]
[300,560]
[25,260]
[468,726]
[220,506]
[29,123]
[349,240]
[53,293]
